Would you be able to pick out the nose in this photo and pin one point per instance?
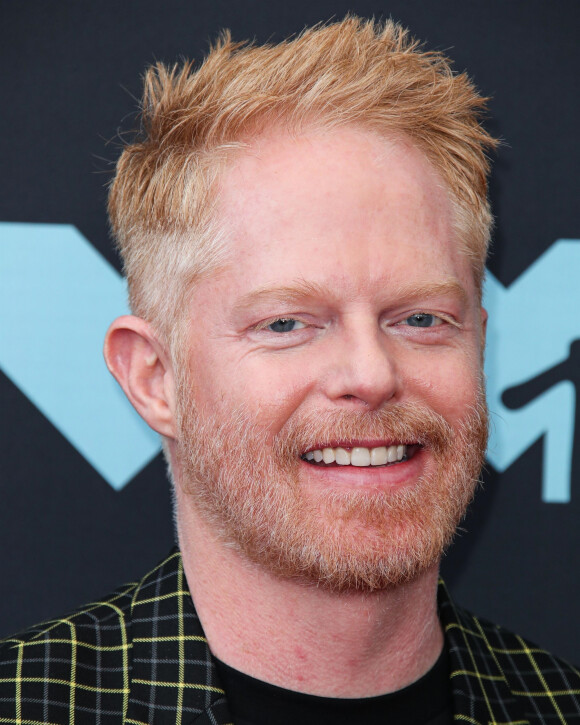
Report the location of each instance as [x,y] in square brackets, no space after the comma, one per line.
[362,367]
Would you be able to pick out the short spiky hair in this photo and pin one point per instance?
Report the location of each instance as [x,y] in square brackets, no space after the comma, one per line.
[354,72]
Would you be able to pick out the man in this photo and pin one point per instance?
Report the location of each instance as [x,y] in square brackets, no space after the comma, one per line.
[304,229]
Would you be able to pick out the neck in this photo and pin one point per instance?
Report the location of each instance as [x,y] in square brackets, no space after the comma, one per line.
[302,637]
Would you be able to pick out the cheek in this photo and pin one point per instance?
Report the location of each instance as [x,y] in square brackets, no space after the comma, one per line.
[447,384]
[270,388]
[275,392]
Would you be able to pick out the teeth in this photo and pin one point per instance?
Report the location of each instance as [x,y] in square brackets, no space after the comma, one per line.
[391,454]
[379,456]
[328,455]
[342,457]
[358,456]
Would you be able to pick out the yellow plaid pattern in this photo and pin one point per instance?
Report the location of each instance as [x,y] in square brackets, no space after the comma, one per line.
[499,678]
[140,656]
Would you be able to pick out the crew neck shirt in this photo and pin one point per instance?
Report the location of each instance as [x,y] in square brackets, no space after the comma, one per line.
[424,702]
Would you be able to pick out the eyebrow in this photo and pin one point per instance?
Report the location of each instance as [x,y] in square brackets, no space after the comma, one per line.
[400,292]
[300,290]
[447,288]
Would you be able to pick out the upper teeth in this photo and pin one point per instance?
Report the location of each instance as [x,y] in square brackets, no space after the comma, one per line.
[358,456]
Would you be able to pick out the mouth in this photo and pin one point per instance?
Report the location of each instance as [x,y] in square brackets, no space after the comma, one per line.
[360,456]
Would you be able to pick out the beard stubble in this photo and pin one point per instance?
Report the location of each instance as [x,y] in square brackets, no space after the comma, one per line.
[247,485]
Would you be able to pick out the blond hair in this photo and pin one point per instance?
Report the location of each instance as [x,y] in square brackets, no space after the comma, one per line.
[354,72]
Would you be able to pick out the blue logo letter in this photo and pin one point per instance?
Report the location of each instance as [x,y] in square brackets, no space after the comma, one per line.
[531,327]
[57,299]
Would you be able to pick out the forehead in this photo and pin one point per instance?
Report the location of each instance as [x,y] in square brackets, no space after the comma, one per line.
[347,202]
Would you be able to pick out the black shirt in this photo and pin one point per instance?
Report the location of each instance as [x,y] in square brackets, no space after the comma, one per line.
[425,702]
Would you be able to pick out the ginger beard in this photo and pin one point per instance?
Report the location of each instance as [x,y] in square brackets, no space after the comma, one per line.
[247,485]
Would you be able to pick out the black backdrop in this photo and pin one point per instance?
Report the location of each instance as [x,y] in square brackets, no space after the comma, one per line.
[70,72]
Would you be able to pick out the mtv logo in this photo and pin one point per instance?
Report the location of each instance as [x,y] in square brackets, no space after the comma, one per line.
[532,325]
[58,296]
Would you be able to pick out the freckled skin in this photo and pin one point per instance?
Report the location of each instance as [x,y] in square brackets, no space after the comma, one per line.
[355,215]
[358,223]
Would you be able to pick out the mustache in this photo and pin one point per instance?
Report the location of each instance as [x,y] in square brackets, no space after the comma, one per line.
[409,423]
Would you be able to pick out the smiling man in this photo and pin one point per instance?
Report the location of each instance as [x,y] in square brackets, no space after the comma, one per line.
[304,229]
[350,323]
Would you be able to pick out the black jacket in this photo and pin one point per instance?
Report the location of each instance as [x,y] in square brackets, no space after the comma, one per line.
[140,656]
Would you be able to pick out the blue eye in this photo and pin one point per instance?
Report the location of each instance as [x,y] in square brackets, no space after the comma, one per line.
[423,319]
[285,325]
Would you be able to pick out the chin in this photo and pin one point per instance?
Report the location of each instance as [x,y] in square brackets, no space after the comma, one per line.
[267,503]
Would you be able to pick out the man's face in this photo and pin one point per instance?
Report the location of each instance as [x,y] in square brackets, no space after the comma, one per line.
[346,326]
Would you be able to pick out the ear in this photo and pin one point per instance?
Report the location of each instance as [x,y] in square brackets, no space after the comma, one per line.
[142,368]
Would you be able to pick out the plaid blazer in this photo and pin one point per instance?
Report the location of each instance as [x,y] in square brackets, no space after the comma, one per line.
[140,656]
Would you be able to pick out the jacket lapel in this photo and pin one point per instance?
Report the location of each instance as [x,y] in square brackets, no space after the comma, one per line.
[173,677]
[481,694]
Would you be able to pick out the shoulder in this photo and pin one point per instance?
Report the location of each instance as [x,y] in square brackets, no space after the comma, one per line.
[80,663]
[88,627]
[502,661]
[67,662]
[520,659]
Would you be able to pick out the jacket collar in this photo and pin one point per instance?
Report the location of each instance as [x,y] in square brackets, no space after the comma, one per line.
[481,693]
[174,678]
[173,675]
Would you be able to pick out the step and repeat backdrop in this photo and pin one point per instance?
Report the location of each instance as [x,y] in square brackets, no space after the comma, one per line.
[84,500]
